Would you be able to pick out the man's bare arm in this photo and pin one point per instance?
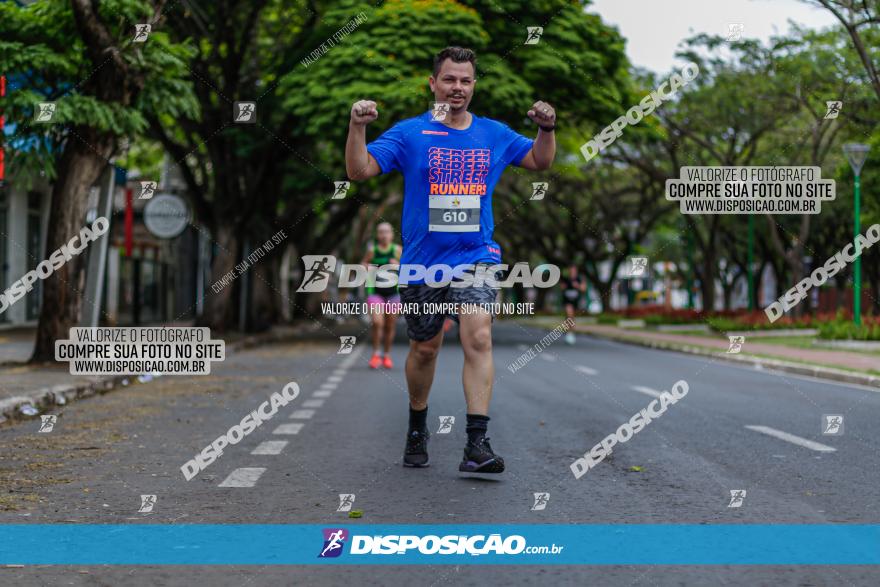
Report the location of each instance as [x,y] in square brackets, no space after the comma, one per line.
[359,164]
[543,151]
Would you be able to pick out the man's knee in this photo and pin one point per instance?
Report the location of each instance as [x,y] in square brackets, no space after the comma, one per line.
[478,341]
[425,352]
[378,320]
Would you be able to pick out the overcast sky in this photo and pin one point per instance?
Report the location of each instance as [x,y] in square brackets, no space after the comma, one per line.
[654,28]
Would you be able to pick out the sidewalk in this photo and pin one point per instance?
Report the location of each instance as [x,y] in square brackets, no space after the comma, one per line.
[27,390]
[836,365]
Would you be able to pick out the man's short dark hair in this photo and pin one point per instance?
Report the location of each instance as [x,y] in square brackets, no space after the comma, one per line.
[458,55]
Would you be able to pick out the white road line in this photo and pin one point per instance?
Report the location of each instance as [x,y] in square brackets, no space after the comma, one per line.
[329,385]
[322,393]
[550,358]
[289,428]
[302,414]
[334,379]
[340,372]
[313,403]
[521,347]
[244,477]
[585,370]
[270,447]
[792,438]
[646,390]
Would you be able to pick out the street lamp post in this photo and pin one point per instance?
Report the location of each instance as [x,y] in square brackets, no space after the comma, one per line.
[856,154]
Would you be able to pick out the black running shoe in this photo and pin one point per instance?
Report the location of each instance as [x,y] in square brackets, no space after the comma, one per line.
[416,452]
[479,458]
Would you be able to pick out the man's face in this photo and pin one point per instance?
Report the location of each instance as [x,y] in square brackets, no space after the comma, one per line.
[454,84]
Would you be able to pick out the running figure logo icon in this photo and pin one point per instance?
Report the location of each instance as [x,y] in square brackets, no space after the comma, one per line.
[346,345]
[147,503]
[346,500]
[832,424]
[533,35]
[47,423]
[638,266]
[736,344]
[319,268]
[44,111]
[735,31]
[439,110]
[736,498]
[541,500]
[148,188]
[539,189]
[340,189]
[833,107]
[446,423]
[141,32]
[244,112]
[334,541]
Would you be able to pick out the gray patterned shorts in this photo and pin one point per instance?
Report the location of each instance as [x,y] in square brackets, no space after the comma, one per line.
[421,326]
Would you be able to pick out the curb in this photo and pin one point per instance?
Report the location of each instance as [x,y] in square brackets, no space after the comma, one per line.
[24,407]
[829,373]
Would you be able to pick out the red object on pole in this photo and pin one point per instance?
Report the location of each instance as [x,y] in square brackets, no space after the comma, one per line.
[2,121]
[129,222]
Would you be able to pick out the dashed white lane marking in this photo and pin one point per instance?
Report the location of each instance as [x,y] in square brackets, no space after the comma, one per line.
[244,477]
[585,370]
[322,393]
[329,385]
[521,347]
[313,403]
[792,438]
[646,390]
[302,414]
[270,447]
[289,428]
[339,372]
[334,379]
[547,357]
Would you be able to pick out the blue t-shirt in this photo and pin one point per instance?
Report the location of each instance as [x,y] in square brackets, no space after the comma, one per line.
[448,178]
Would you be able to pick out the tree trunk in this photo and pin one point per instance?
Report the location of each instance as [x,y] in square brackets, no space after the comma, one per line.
[80,166]
[219,314]
[265,306]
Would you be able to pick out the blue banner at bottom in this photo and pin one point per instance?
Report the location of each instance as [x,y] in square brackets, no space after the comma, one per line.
[275,544]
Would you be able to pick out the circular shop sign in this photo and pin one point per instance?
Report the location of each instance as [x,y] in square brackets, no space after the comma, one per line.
[166,215]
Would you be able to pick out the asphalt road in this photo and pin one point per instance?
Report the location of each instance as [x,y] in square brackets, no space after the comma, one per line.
[345,433]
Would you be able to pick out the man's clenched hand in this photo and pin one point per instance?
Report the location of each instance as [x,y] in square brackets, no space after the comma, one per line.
[542,114]
[364,112]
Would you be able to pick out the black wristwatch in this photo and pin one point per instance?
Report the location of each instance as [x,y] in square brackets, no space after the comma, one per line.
[547,128]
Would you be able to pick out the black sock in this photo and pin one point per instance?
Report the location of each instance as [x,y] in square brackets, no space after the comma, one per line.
[476,426]
[418,419]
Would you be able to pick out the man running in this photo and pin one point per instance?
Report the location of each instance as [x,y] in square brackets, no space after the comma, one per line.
[573,285]
[450,168]
[384,302]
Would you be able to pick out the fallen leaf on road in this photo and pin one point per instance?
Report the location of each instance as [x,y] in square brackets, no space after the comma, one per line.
[355,513]
[635,468]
